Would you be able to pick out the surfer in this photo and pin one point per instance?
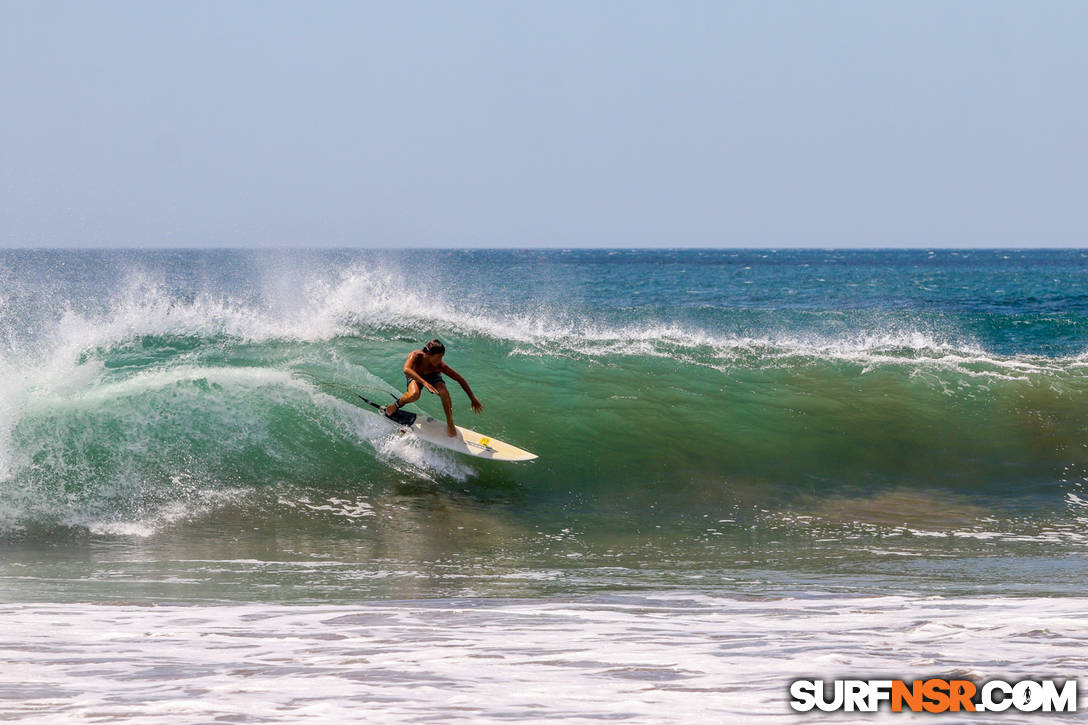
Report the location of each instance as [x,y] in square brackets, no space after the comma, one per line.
[423,369]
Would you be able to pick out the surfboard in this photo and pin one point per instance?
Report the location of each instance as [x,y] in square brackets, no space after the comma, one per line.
[466,441]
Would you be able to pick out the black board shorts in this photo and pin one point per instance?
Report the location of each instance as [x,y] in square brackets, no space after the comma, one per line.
[432,378]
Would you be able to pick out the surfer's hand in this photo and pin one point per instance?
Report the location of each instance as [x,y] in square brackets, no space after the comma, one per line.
[432,388]
[477,406]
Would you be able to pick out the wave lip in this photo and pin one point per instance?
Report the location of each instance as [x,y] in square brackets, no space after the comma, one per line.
[376,300]
[915,350]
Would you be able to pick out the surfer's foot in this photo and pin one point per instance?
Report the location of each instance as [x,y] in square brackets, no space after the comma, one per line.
[451,431]
[390,409]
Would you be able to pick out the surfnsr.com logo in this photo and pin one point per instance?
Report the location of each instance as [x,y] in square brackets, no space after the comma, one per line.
[934,695]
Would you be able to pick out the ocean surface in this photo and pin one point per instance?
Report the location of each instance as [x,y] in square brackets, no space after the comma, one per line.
[754,466]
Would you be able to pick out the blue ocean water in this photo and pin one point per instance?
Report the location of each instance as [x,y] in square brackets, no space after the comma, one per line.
[868,419]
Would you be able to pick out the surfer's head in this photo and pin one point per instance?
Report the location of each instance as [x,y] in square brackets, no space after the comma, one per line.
[434,347]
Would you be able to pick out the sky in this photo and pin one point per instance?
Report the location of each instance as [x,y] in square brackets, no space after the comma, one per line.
[549,123]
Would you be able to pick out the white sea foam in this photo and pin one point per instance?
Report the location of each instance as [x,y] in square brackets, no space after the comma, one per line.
[193,504]
[669,657]
[368,297]
[361,297]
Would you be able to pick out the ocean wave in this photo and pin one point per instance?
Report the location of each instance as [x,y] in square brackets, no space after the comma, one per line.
[115,408]
[374,301]
[135,454]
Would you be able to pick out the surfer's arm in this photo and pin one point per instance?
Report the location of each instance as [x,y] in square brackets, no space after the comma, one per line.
[477,406]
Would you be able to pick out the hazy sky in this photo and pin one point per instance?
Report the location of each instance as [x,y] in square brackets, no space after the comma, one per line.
[549,123]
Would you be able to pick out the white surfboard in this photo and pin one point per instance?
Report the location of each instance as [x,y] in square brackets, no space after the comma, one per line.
[429,429]
[466,441]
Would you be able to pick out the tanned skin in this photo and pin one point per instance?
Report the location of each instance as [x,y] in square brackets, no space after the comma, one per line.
[420,363]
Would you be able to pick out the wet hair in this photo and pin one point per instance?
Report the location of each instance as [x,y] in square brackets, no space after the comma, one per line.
[434,347]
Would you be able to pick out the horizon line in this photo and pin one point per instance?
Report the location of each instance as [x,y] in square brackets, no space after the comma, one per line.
[303,248]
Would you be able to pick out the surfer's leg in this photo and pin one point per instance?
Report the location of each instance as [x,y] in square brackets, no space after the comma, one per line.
[411,396]
[447,405]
